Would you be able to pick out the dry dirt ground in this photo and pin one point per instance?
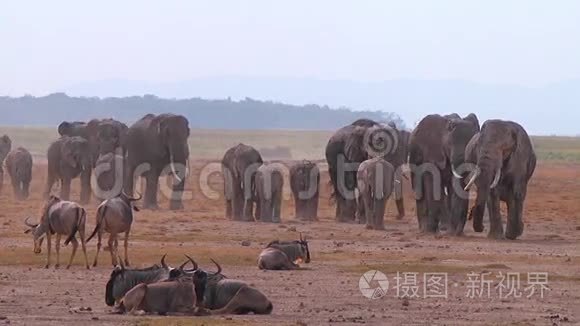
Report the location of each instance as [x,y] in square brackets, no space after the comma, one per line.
[327,292]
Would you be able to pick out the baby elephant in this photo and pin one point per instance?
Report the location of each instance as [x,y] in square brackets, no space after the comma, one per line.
[19,166]
[284,255]
[375,184]
[269,184]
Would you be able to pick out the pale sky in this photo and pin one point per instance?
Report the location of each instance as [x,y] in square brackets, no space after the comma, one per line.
[48,45]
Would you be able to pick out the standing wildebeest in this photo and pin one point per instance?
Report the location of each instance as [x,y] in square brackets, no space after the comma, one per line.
[375,184]
[122,280]
[5,147]
[505,161]
[239,166]
[305,184]
[63,218]
[268,189]
[226,296]
[436,150]
[158,144]
[350,146]
[69,157]
[284,255]
[19,166]
[104,135]
[109,171]
[114,216]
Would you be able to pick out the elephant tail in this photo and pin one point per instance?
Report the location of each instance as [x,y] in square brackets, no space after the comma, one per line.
[101,211]
[79,215]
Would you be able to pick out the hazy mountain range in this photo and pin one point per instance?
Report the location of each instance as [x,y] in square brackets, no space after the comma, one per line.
[552,109]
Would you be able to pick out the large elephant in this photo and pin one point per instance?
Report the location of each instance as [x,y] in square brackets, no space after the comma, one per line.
[69,157]
[436,146]
[268,193]
[19,166]
[5,147]
[239,166]
[104,135]
[375,178]
[506,161]
[353,144]
[305,186]
[158,144]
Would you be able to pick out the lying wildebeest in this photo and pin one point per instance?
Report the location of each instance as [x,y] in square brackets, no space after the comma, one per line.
[19,166]
[284,255]
[114,216]
[177,295]
[224,296]
[59,217]
[122,280]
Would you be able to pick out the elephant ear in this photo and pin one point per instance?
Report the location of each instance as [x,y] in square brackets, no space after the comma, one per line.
[5,146]
[354,148]
[473,119]
[67,153]
[65,128]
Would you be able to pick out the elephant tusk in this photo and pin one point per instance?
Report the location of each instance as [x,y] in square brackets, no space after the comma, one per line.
[173,167]
[496,179]
[472,180]
[455,173]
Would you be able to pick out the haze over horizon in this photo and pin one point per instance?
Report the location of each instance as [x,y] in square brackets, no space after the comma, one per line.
[501,59]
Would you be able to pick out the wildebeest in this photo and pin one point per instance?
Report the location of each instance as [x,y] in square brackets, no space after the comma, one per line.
[19,166]
[114,216]
[224,296]
[59,217]
[177,295]
[284,255]
[122,280]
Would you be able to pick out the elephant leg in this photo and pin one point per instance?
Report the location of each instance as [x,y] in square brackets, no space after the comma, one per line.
[16,190]
[177,193]
[515,225]
[50,180]
[229,208]
[379,213]
[129,184]
[85,187]
[368,210]
[298,207]
[267,210]
[248,212]
[151,187]
[65,189]
[399,200]
[313,207]
[237,201]
[277,211]
[496,227]
[25,189]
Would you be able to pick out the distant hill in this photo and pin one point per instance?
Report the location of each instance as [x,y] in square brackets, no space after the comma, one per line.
[552,109]
[210,114]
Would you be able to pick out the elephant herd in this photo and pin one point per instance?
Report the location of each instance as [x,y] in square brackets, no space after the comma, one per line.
[446,156]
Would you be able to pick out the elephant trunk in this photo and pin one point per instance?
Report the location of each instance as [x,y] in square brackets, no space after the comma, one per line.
[487,179]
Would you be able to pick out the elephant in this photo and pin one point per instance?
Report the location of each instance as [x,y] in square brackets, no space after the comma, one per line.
[19,166]
[104,135]
[305,186]
[109,171]
[158,144]
[239,166]
[375,178]
[506,161]
[268,192]
[5,147]
[350,146]
[436,148]
[69,157]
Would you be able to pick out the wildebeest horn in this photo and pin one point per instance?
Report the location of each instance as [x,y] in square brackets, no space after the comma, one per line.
[29,224]
[217,265]
[301,237]
[163,264]
[131,198]
[192,262]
